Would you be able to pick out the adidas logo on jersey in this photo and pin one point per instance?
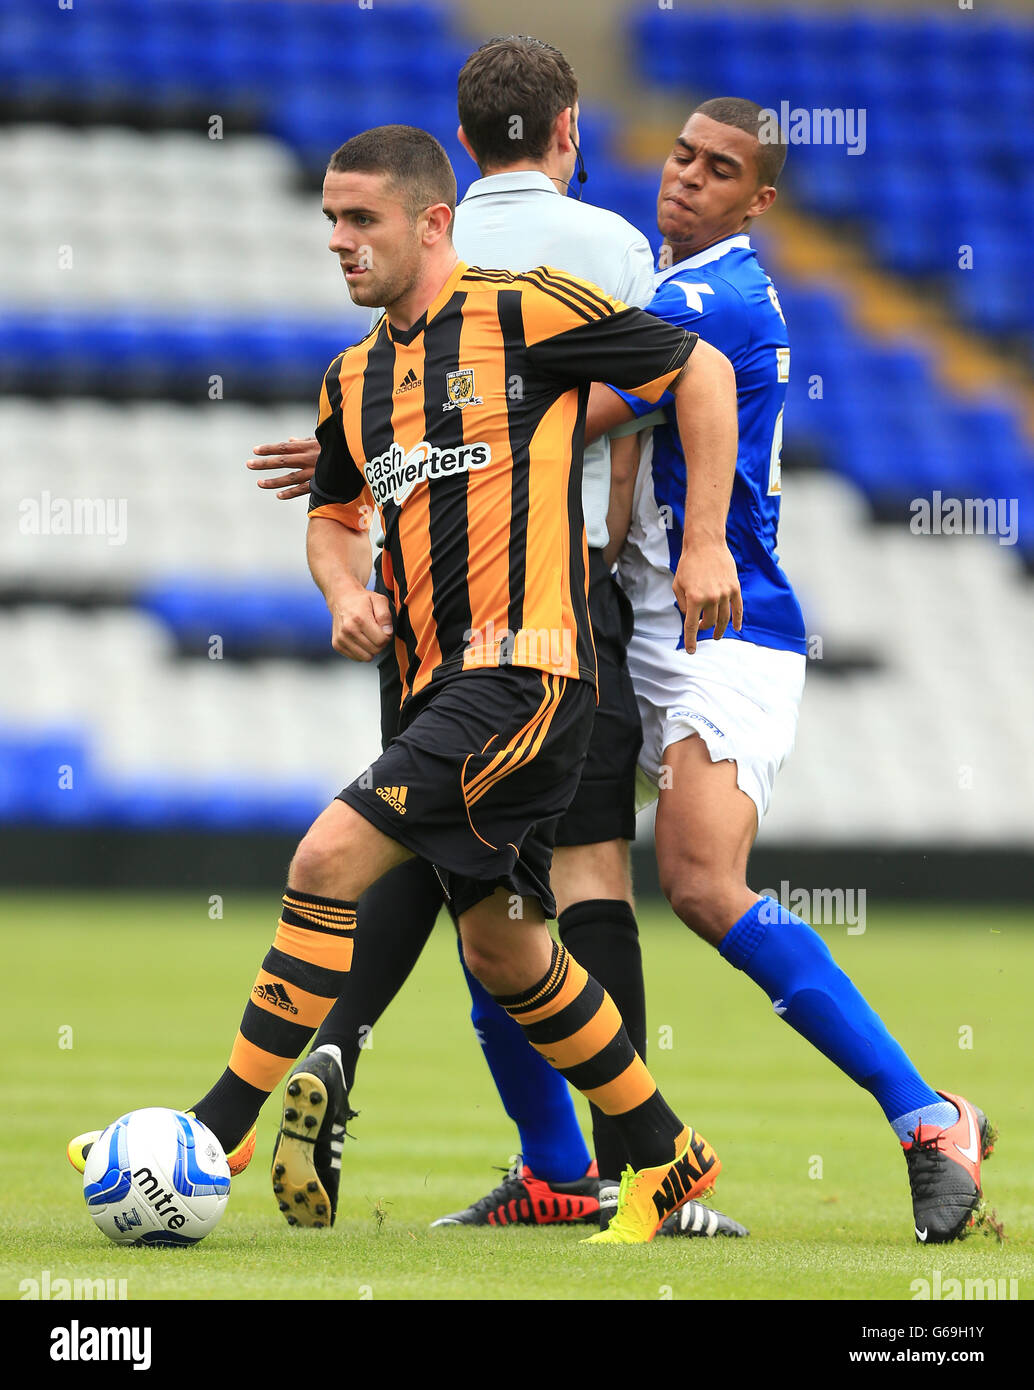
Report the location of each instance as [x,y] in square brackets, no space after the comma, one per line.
[409,382]
[275,995]
[395,797]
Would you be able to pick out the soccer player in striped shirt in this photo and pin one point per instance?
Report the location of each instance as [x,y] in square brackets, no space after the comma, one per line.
[478,489]
[515,216]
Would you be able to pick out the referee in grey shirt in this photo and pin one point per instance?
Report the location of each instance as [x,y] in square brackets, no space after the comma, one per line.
[518,219]
[518,108]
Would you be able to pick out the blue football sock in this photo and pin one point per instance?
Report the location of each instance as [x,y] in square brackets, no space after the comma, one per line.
[535,1096]
[792,964]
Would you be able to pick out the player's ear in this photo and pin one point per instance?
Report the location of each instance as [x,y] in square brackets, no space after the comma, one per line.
[762,200]
[437,219]
[563,128]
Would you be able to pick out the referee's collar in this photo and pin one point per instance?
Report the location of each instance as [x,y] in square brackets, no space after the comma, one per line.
[518,181]
[710,253]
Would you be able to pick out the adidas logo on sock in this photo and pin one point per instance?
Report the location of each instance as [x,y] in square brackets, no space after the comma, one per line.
[409,382]
[395,797]
[276,995]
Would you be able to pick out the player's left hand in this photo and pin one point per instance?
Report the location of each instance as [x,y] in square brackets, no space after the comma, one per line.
[302,454]
[707,590]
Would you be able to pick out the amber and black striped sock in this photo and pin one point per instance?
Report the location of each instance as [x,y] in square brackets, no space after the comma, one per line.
[301,976]
[571,1020]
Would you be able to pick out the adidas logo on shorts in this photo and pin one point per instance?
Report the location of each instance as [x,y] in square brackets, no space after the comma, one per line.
[395,797]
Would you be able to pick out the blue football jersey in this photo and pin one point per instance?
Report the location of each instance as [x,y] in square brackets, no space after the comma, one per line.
[723,294]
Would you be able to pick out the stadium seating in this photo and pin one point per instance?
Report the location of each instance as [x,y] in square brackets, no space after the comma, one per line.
[945,97]
[121,709]
[101,723]
[901,445]
[124,689]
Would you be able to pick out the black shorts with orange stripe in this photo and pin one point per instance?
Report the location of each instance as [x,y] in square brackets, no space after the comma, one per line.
[603,807]
[485,765]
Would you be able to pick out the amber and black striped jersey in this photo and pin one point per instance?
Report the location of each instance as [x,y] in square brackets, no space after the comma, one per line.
[466,431]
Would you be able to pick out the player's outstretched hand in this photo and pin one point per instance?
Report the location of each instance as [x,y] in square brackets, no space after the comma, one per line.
[362,624]
[297,454]
[707,590]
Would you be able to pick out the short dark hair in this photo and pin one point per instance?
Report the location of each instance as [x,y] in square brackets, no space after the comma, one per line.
[412,159]
[507,78]
[749,116]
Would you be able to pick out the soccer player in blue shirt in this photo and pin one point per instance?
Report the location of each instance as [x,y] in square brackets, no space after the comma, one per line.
[719,717]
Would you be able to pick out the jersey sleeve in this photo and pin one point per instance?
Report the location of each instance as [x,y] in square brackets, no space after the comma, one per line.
[578,334]
[710,308]
[338,490]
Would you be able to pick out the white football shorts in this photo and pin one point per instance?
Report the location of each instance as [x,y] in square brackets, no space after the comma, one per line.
[741,699]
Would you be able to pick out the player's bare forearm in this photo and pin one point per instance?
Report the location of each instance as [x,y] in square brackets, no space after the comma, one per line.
[605,411]
[299,455]
[341,560]
[624,465]
[706,584]
[705,406]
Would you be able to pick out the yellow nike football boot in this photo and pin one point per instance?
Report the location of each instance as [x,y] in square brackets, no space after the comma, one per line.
[238,1159]
[648,1198]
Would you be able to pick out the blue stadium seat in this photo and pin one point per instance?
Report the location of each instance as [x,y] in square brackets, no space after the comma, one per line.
[48,777]
[946,100]
[248,617]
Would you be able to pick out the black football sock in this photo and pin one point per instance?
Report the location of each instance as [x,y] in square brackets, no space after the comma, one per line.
[398,913]
[603,937]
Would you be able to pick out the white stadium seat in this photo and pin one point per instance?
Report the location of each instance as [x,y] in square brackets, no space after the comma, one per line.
[166,222]
[931,745]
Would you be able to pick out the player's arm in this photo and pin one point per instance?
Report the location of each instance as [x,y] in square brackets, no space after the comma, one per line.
[341,559]
[338,539]
[624,465]
[706,585]
[700,381]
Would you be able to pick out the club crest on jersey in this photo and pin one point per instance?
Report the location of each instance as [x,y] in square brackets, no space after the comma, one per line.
[459,387]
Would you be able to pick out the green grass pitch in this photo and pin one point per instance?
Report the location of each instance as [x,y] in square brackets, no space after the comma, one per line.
[118,1002]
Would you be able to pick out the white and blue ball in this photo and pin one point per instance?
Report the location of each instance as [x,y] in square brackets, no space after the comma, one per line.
[156,1177]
